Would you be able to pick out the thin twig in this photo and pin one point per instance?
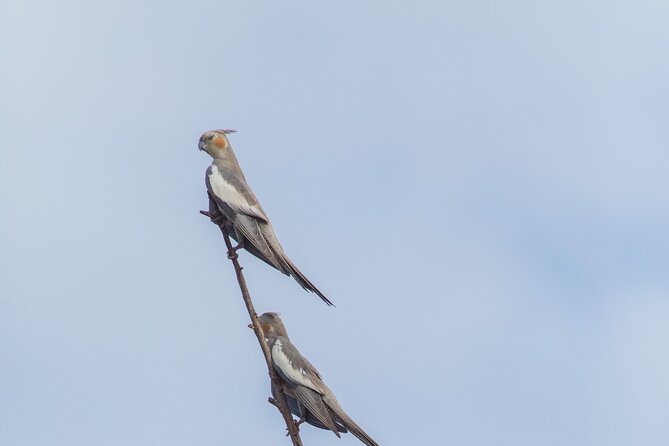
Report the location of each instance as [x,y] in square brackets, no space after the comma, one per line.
[279,399]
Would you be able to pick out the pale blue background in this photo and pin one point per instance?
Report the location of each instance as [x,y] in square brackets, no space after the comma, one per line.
[481,188]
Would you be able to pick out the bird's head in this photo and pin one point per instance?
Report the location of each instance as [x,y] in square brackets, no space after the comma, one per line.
[215,142]
[272,325]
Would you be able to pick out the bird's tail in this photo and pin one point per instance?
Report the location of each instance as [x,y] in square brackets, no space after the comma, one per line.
[279,260]
[339,416]
[302,280]
[359,433]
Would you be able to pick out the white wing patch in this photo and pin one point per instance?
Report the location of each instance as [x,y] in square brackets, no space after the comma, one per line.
[227,193]
[285,364]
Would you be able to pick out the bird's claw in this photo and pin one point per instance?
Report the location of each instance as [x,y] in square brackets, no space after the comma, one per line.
[297,427]
[217,219]
[232,252]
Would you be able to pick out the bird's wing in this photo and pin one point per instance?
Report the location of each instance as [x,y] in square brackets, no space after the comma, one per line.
[251,229]
[308,388]
[313,401]
[294,367]
[232,194]
[298,409]
[237,203]
[306,384]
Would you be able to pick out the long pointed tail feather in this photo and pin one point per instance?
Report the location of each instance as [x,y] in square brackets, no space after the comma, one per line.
[304,282]
[339,416]
[276,257]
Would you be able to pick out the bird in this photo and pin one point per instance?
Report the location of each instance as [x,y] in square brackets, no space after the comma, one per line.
[306,394]
[243,217]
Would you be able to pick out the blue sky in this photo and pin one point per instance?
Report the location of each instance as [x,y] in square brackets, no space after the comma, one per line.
[481,189]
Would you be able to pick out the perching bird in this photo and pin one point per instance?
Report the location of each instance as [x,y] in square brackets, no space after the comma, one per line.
[243,216]
[307,395]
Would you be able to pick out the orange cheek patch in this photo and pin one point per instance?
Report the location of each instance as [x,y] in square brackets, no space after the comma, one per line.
[219,141]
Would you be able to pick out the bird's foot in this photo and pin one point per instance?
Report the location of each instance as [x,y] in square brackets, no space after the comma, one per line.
[300,421]
[218,219]
[297,426]
[232,252]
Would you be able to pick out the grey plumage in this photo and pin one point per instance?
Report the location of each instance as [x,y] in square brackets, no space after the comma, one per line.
[298,409]
[244,217]
[308,396]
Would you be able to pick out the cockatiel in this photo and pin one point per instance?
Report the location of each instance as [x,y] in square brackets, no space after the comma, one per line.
[308,396]
[244,218]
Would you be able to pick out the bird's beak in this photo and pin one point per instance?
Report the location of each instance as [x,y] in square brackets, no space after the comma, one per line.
[201,145]
[228,131]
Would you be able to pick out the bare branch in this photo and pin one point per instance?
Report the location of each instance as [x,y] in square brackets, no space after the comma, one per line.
[279,397]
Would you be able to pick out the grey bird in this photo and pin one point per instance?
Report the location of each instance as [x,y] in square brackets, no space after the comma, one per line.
[307,395]
[243,217]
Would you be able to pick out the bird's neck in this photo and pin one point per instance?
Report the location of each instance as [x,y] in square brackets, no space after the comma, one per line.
[226,155]
[228,160]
